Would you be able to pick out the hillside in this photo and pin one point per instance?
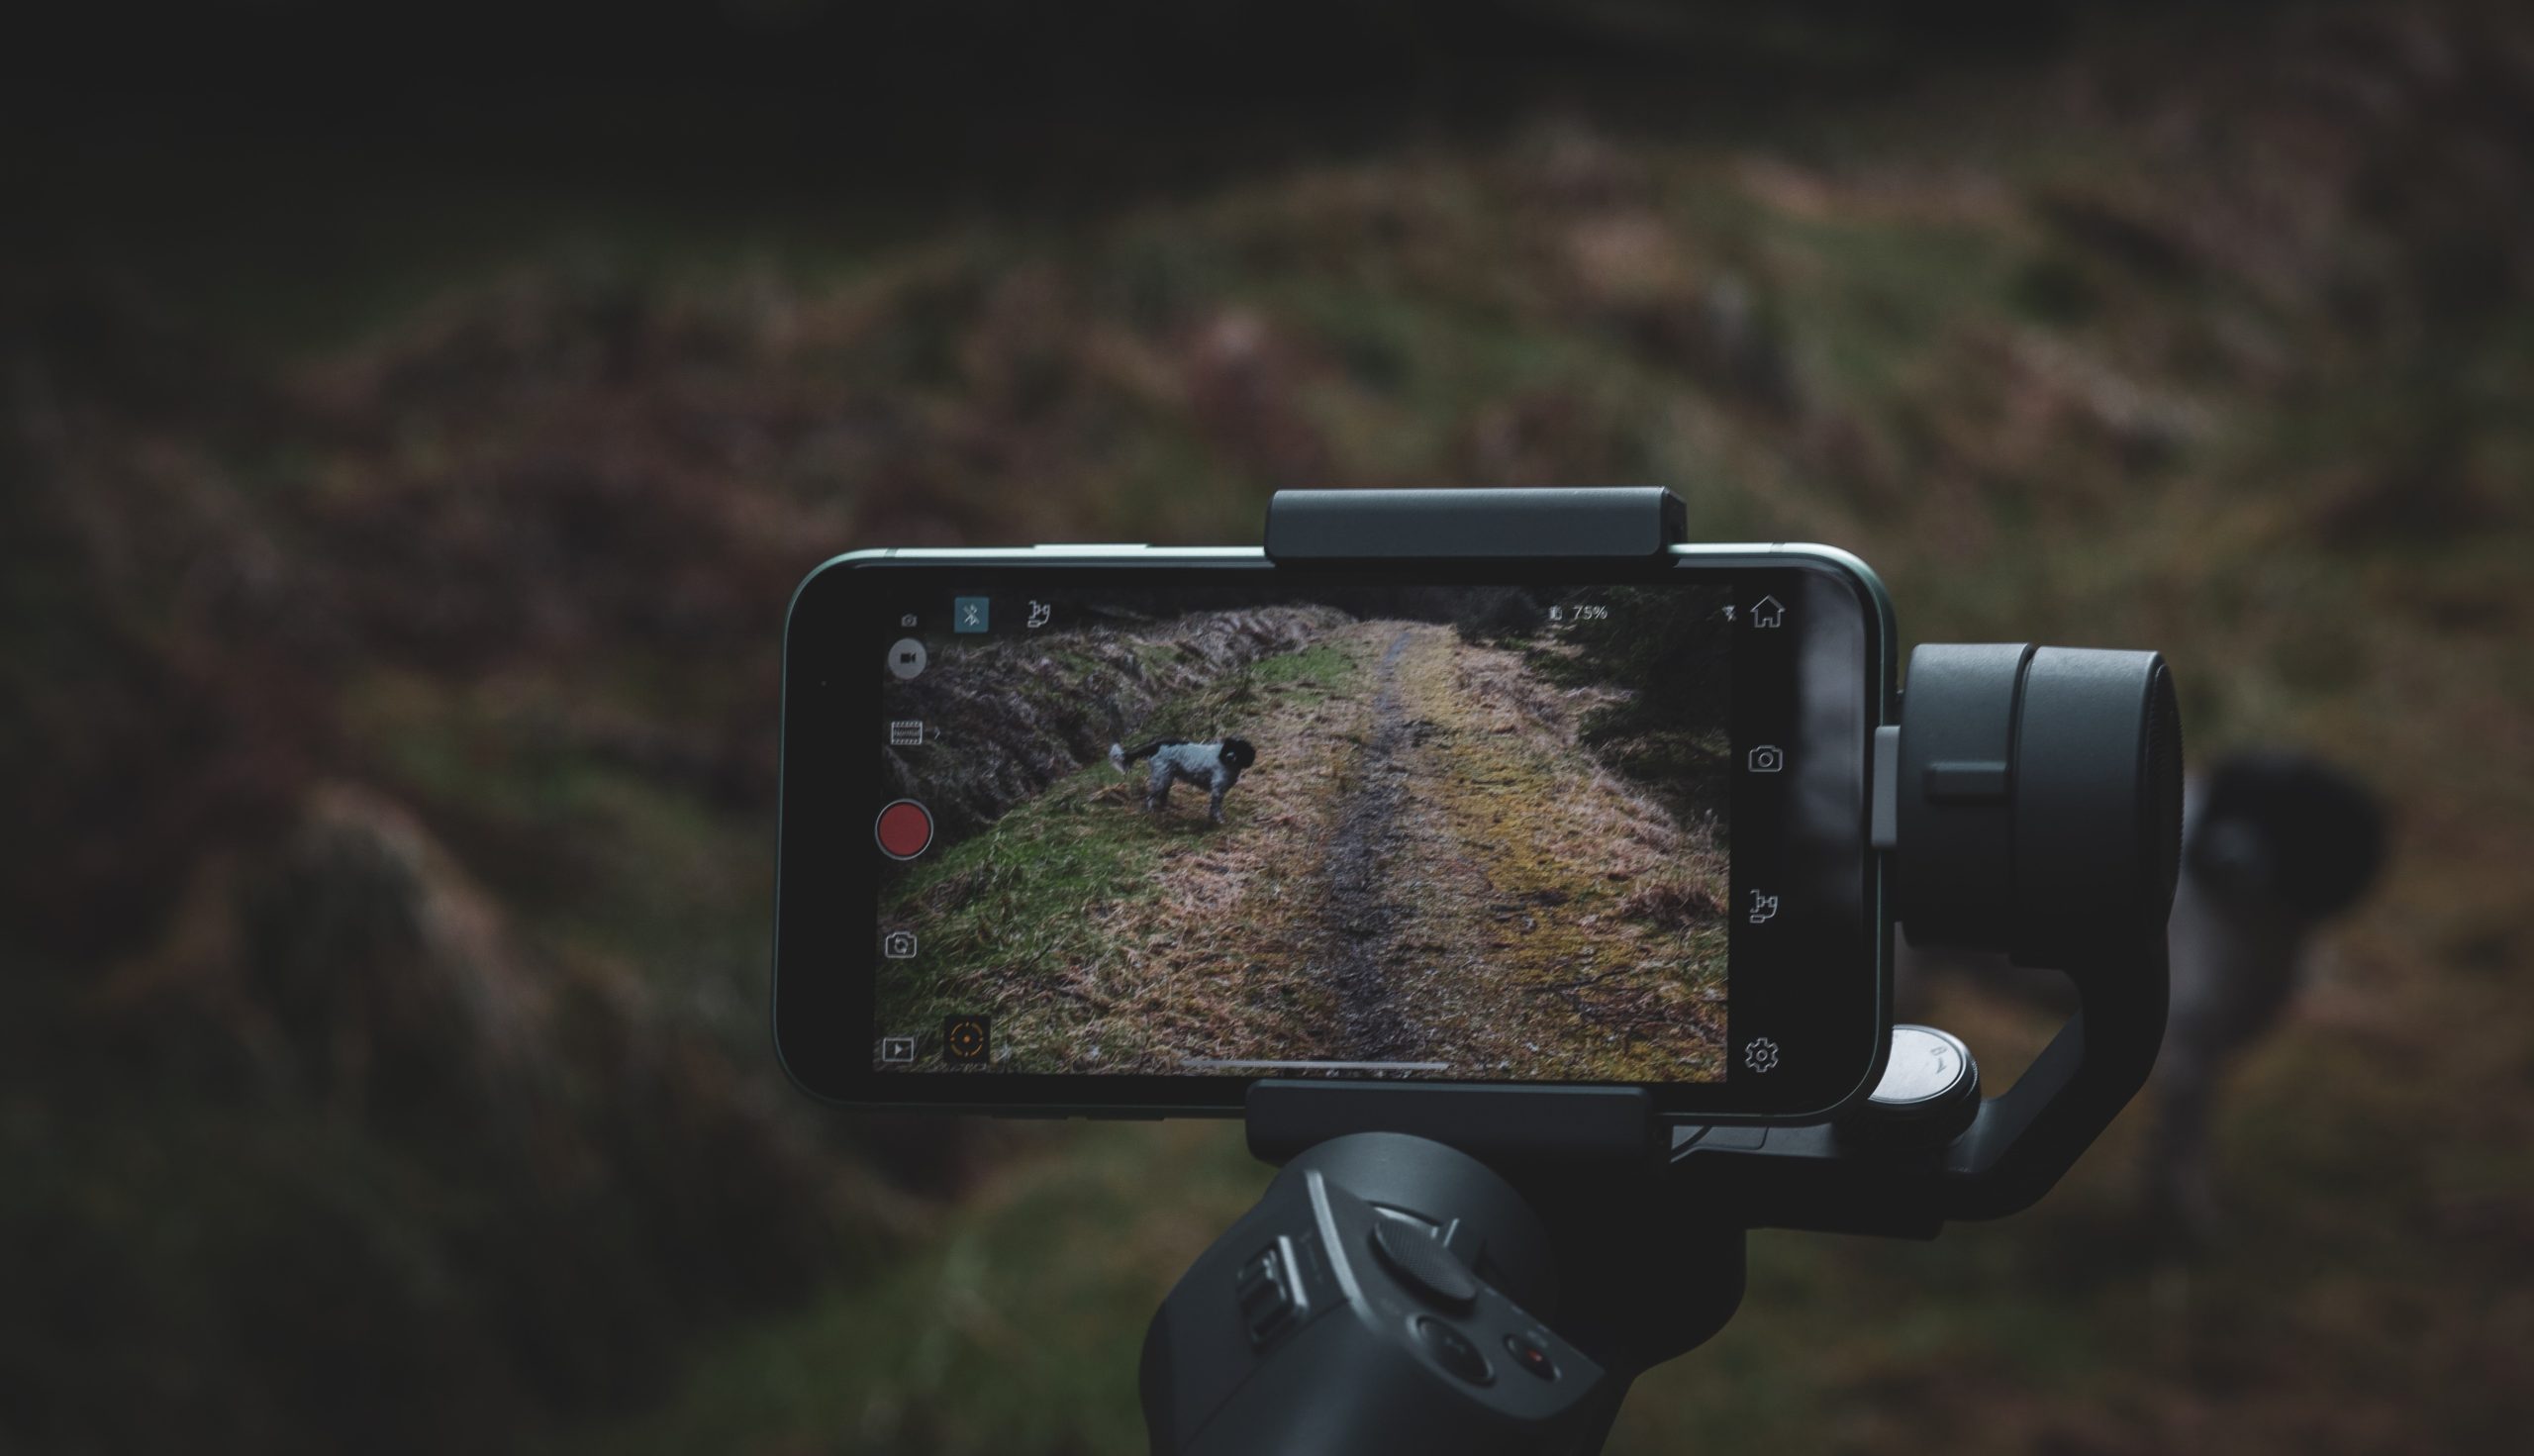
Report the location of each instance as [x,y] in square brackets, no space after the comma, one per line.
[387,734]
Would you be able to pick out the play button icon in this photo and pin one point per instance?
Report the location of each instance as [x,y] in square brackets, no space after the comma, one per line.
[904,830]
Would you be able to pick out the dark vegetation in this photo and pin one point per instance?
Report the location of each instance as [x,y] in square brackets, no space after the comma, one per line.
[396,516]
[1021,712]
[1669,721]
[313,1135]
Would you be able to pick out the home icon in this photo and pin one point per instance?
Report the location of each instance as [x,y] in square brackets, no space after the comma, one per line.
[1766,612]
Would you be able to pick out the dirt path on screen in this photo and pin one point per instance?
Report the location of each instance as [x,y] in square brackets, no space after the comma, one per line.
[1428,870]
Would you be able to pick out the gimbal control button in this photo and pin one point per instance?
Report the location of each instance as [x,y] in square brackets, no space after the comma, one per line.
[1929,1092]
[1928,1073]
[1264,1288]
[1455,1351]
[1530,1354]
[1424,1266]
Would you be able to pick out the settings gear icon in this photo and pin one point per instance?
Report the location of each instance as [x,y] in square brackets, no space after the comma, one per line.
[1759,1054]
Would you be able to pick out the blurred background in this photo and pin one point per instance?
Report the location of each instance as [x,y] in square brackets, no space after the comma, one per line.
[417,418]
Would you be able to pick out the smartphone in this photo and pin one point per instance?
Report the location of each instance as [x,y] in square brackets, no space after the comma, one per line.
[1120,829]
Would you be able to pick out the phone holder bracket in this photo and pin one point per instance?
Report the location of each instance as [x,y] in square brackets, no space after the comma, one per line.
[1583,524]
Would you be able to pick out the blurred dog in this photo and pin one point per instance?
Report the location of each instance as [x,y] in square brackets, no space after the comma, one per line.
[2276,845]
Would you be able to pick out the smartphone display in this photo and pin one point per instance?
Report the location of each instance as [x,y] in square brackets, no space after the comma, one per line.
[1082,832]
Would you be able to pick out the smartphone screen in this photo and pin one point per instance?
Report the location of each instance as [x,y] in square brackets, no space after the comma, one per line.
[1131,834]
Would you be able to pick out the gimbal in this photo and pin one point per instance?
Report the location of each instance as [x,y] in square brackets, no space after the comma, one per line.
[1483,1269]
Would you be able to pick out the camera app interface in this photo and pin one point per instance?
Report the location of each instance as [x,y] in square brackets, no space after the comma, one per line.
[1210,827]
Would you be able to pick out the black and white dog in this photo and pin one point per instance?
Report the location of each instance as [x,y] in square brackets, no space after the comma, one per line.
[2276,845]
[1215,766]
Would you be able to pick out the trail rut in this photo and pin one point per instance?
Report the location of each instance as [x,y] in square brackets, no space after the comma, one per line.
[1362,915]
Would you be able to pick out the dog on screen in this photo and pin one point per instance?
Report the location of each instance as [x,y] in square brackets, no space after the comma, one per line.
[1214,767]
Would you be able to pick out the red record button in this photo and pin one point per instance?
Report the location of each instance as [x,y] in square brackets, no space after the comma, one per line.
[1531,1354]
[904,830]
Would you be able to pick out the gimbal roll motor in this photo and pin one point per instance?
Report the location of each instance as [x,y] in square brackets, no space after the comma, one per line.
[1483,1269]
[2035,799]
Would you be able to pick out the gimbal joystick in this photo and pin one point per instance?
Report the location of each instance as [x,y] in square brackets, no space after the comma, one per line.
[1483,1269]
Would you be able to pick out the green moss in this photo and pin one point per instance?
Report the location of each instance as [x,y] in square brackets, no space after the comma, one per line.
[1313,673]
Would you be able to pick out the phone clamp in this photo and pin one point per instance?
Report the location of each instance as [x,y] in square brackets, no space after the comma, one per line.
[1486,1268]
[1585,524]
